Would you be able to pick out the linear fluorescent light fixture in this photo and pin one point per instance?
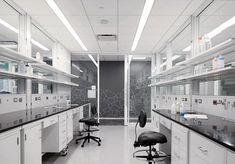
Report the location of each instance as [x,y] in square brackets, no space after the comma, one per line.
[36,43]
[187,49]
[217,30]
[143,19]
[78,68]
[64,20]
[10,27]
[139,58]
[93,60]
[173,59]
[130,58]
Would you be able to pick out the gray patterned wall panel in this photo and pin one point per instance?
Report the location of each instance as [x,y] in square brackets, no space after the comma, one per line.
[87,78]
[140,93]
[112,89]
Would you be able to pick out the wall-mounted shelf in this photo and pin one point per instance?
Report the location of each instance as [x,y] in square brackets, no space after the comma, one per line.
[223,48]
[46,80]
[10,55]
[13,75]
[212,75]
[46,69]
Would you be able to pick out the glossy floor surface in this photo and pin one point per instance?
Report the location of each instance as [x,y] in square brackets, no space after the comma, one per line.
[116,148]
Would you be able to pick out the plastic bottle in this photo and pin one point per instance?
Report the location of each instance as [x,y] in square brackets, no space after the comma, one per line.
[215,63]
[182,109]
[173,108]
[220,62]
[177,109]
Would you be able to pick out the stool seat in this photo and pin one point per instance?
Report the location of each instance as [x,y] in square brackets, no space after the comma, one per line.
[89,121]
[150,138]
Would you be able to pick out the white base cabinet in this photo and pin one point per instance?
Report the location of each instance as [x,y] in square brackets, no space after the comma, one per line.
[69,126]
[32,141]
[10,147]
[54,138]
[230,157]
[202,149]
[179,144]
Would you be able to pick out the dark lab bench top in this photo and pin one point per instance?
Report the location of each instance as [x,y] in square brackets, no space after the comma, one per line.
[215,128]
[16,119]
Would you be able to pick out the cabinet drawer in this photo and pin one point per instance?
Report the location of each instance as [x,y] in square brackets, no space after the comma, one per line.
[180,136]
[166,122]
[178,156]
[230,157]
[50,121]
[206,149]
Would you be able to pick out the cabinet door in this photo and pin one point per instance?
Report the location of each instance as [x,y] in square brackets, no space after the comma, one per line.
[194,159]
[10,148]
[32,145]
[230,158]
[69,126]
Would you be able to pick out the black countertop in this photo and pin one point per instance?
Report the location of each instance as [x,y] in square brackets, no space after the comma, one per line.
[215,128]
[16,119]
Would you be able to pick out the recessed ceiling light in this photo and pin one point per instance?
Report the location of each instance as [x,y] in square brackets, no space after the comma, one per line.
[104,21]
[66,23]
[143,19]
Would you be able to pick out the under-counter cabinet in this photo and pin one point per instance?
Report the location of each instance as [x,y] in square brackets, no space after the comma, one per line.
[179,144]
[54,137]
[69,126]
[204,151]
[155,122]
[230,157]
[32,141]
[10,147]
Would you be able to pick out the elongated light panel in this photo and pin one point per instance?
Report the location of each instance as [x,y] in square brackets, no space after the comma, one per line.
[93,60]
[66,23]
[143,19]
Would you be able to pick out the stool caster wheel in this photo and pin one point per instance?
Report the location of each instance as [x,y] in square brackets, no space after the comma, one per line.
[76,142]
[82,145]
[99,140]
[99,144]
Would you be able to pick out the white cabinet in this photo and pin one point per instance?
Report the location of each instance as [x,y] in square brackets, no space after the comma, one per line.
[32,150]
[230,157]
[179,144]
[54,137]
[10,147]
[69,126]
[202,149]
[155,121]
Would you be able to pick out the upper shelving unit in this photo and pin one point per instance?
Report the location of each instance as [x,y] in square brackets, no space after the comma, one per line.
[12,56]
[214,74]
[47,69]
[221,49]
[9,55]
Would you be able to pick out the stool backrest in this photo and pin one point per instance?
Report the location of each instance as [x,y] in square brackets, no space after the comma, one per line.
[142,118]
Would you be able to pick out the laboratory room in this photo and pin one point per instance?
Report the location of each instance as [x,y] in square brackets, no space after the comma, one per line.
[117,81]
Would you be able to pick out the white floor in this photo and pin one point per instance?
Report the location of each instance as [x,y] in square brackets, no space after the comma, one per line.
[116,148]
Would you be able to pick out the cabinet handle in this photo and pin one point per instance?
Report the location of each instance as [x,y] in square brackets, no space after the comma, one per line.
[25,137]
[177,138]
[204,151]
[17,140]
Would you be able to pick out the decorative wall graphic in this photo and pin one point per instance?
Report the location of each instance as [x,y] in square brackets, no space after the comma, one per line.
[140,93]
[87,73]
[112,91]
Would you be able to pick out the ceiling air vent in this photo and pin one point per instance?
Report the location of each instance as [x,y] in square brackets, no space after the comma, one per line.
[107,37]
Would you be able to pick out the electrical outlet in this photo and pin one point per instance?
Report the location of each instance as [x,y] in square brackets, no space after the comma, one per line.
[215,102]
